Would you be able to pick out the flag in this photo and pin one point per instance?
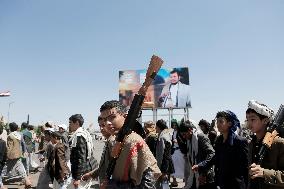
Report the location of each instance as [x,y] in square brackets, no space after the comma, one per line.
[6,93]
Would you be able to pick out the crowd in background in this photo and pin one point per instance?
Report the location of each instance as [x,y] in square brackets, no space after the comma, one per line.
[63,157]
[220,154]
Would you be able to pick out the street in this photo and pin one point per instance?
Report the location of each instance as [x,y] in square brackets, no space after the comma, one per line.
[34,176]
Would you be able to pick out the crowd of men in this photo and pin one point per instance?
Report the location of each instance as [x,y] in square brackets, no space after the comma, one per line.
[152,156]
[202,156]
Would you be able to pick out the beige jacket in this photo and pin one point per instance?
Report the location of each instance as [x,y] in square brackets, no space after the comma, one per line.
[134,159]
[14,146]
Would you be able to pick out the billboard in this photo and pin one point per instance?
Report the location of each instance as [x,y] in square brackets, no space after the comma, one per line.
[170,89]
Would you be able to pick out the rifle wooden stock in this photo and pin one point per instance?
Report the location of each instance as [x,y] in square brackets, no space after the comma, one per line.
[271,134]
[134,111]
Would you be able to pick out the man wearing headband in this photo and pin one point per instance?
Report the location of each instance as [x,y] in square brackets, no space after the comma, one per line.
[270,173]
[231,153]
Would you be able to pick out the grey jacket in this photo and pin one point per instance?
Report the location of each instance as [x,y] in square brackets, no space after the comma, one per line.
[105,159]
[163,151]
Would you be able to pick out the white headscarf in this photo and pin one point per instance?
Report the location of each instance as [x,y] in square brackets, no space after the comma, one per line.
[16,134]
[262,109]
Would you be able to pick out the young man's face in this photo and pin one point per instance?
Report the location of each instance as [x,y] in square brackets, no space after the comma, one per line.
[61,130]
[146,130]
[174,78]
[255,124]
[187,135]
[53,140]
[204,129]
[104,130]
[223,125]
[158,130]
[174,126]
[42,129]
[47,137]
[73,126]
[112,119]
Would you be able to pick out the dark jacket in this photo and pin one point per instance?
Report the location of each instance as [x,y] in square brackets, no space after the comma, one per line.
[182,143]
[201,153]
[105,159]
[167,162]
[151,141]
[231,162]
[78,158]
[204,156]
[3,154]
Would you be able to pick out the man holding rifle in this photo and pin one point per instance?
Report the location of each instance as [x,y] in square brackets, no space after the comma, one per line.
[135,167]
[270,173]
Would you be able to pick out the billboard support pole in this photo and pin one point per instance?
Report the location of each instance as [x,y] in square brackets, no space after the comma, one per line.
[186,113]
[170,114]
[155,115]
[140,120]
[170,117]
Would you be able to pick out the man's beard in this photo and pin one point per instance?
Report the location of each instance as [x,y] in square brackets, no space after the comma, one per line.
[174,83]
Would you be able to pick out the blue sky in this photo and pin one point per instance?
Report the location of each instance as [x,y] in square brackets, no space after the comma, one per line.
[62,57]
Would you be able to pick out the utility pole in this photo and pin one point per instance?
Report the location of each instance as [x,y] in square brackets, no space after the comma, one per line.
[10,103]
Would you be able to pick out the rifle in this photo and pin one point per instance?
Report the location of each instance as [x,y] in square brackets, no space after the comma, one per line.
[271,133]
[28,120]
[134,111]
